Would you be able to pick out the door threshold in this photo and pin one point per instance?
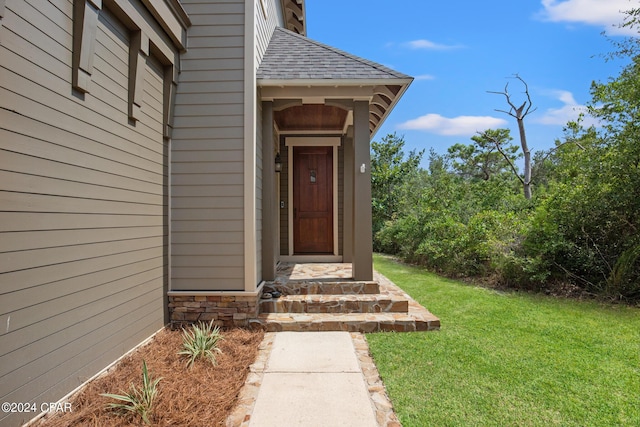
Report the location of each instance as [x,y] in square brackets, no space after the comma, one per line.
[311,258]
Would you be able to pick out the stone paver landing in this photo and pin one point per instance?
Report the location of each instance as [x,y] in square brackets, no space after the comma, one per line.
[324,297]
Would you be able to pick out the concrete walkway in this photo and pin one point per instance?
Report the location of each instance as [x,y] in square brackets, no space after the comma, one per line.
[313,379]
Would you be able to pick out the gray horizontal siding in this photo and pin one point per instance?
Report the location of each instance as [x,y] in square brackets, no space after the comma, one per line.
[264,27]
[83,196]
[207,160]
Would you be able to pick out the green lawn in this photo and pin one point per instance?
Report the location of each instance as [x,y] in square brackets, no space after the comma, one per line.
[509,359]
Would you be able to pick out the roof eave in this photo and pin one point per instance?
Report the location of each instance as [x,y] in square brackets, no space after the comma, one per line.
[405,82]
[397,98]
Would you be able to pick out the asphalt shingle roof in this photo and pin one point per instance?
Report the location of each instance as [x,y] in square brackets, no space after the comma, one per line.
[291,56]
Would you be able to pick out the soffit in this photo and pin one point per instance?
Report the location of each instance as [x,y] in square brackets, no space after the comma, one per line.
[311,117]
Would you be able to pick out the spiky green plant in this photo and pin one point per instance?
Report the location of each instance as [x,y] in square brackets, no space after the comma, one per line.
[137,401]
[201,341]
[624,272]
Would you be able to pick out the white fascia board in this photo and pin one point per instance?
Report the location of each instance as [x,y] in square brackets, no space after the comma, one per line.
[331,82]
[249,158]
[317,94]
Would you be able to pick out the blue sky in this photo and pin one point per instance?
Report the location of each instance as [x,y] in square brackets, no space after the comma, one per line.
[457,50]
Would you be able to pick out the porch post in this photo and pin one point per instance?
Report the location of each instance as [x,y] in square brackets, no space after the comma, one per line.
[347,239]
[269,202]
[362,263]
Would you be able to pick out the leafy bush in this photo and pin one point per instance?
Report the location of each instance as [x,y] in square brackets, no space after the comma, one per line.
[578,236]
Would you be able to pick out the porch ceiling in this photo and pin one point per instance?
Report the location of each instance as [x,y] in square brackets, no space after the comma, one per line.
[295,67]
[311,117]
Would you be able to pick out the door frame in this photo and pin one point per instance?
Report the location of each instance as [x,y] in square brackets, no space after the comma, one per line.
[313,141]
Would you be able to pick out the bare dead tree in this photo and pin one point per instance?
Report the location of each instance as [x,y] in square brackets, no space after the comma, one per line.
[519,113]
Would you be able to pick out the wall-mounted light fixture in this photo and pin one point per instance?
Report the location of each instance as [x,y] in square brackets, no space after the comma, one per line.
[278,163]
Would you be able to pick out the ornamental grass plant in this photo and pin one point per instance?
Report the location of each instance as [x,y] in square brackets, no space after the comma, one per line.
[138,401]
[201,341]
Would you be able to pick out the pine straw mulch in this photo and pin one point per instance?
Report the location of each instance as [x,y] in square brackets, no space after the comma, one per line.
[203,395]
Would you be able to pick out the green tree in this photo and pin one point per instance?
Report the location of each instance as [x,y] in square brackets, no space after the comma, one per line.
[454,225]
[483,159]
[587,229]
[389,171]
[545,164]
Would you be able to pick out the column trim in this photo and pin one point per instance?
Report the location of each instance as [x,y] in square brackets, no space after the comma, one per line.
[347,238]
[250,107]
[269,199]
[362,262]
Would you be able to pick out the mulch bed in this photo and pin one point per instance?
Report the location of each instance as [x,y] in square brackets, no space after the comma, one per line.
[203,395]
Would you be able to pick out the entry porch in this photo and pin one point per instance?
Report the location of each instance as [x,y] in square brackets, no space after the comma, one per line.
[326,297]
[314,297]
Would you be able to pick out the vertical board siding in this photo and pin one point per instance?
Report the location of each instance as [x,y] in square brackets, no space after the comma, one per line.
[83,206]
[207,167]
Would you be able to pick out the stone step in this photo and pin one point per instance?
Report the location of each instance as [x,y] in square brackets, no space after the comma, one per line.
[348,303]
[352,322]
[324,287]
[322,294]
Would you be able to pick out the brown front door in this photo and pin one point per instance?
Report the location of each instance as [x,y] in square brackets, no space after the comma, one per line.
[313,200]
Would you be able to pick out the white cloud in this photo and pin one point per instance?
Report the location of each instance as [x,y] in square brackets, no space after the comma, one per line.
[455,126]
[602,13]
[429,45]
[425,77]
[568,112]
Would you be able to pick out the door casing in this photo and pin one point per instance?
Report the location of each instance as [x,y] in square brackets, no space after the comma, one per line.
[311,141]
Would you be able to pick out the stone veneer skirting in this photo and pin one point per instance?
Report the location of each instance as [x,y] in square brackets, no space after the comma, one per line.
[224,309]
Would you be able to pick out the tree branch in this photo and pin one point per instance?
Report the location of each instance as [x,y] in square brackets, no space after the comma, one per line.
[575,276]
[526,91]
[506,112]
[522,111]
[513,168]
[553,150]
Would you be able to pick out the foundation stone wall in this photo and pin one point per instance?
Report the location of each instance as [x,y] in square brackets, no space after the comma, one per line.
[224,310]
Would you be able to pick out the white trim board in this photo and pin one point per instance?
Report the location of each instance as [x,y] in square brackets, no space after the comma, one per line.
[313,141]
